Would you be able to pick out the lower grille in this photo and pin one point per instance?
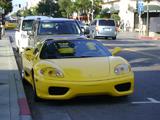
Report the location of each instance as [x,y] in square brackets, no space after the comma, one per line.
[58,90]
[123,87]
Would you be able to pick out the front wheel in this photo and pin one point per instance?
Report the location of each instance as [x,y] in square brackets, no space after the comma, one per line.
[35,97]
[114,38]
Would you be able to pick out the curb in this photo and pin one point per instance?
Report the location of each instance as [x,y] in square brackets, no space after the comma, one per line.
[24,111]
[148,38]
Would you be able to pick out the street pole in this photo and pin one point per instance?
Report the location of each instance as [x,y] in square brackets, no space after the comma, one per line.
[140,24]
[147,26]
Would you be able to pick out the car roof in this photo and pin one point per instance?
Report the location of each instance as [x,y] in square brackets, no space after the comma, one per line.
[36,17]
[56,19]
[104,19]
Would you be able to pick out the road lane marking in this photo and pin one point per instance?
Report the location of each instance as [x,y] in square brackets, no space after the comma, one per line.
[133,44]
[147,68]
[139,60]
[143,53]
[150,101]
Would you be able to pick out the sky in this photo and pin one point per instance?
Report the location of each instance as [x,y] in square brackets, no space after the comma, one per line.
[16,2]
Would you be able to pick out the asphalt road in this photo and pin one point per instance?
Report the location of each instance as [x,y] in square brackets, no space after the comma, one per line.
[144,104]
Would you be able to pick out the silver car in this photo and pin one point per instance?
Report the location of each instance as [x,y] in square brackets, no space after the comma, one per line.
[103,28]
[55,28]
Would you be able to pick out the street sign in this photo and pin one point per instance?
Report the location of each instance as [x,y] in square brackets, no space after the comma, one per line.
[140,7]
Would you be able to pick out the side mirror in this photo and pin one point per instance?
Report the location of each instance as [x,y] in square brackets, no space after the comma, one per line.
[30,33]
[116,50]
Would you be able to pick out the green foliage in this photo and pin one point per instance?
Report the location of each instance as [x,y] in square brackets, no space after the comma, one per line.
[66,7]
[6,5]
[48,8]
[148,1]
[97,7]
[115,17]
[83,6]
[80,6]
[104,13]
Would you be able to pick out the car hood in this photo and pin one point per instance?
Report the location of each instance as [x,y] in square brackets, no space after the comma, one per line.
[59,37]
[84,69]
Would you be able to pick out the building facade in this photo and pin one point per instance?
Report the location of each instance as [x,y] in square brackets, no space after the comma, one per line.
[32,3]
[127,10]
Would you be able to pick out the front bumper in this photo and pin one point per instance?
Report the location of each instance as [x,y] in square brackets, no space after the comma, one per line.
[114,87]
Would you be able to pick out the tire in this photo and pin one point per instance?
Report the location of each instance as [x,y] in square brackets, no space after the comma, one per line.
[114,38]
[35,97]
[22,73]
[106,38]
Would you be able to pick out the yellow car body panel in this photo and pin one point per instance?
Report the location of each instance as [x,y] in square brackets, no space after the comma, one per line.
[99,87]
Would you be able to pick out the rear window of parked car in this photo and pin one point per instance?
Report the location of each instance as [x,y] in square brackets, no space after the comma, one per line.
[106,23]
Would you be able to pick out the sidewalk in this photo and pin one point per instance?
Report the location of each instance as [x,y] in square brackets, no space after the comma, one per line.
[13,103]
[135,35]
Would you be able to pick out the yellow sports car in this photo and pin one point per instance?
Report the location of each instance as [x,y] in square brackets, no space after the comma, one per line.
[10,25]
[63,69]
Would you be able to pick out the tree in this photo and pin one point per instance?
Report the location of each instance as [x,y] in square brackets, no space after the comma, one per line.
[6,5]
[147,1]
[104,13]
[97,6]
[83,6]
[66,7]
[49,8]
[116,18]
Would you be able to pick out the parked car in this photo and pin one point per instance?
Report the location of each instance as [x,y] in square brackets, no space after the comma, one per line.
[63,69]
[54,28]
[103,28]
[10,24]
[24,25]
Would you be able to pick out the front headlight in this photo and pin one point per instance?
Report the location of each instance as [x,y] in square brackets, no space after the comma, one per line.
[51,72]
[122,69]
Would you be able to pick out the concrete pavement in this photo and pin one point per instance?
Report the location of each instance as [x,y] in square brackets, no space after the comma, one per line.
[13,103]
[135,35]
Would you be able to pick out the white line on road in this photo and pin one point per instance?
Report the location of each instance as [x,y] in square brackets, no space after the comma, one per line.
[143,53]
[150,101]
[147,68]
[132,45]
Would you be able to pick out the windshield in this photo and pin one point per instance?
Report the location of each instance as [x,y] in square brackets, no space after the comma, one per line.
[27,25]
[73,49]
[58,27]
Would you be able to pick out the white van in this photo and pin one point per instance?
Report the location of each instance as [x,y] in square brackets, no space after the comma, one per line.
[25,25]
